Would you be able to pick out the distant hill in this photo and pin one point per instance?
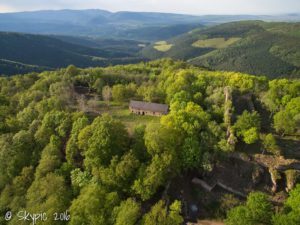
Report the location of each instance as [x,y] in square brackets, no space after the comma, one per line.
[134,25]
[21,53]
[254,47]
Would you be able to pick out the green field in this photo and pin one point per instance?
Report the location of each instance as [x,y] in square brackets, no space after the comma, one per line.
[162,46]
[215,42]
[122,113]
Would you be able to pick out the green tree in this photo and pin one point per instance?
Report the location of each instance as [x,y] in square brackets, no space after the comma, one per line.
[291,212]
[54,123]
[238,216]
[80,178]
[175,213]
[127,213]
[138,143]
[251,135]
[257,210]
[190,126]
[189,118]
[16,152]
[119,93]
[120,174]
[153,176]
[51,158]
[160,215]
[102,140]
[284,123]
[63,91]
[260,208]
[13,196]
[94,206]
[192,153]
[48,194]
[4,112]
[159,139]
[293,201]
[270,144]
[98,86]
[280,92]
[72,70]
[287,120]
[73,154]
[27,116]
[247,126]
[106,94]
[151,93]
[131,90]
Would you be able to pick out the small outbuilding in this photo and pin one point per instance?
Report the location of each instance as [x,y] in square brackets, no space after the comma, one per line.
[148,108]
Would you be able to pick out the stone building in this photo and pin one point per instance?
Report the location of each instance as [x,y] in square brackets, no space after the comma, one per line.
[148,108]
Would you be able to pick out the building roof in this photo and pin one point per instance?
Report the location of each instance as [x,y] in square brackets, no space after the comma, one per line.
[147,106]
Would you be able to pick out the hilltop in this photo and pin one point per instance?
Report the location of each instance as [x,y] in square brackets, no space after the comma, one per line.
[228,147]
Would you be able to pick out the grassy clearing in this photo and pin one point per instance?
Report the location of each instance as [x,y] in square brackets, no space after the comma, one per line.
[215,43]
[162,46]
[122,113]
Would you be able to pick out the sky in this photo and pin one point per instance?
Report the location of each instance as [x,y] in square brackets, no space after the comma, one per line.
[195,7]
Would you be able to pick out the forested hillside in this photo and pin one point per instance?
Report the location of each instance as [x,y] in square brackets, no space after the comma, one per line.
[253,47]
[21,53]
[70,145]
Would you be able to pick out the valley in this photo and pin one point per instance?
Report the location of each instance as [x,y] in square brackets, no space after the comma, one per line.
[254,47]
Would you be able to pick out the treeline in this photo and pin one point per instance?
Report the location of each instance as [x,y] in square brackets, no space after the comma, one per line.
[54,157]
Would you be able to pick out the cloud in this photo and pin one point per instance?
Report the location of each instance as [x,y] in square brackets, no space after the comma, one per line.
[5,8]
[178,6]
